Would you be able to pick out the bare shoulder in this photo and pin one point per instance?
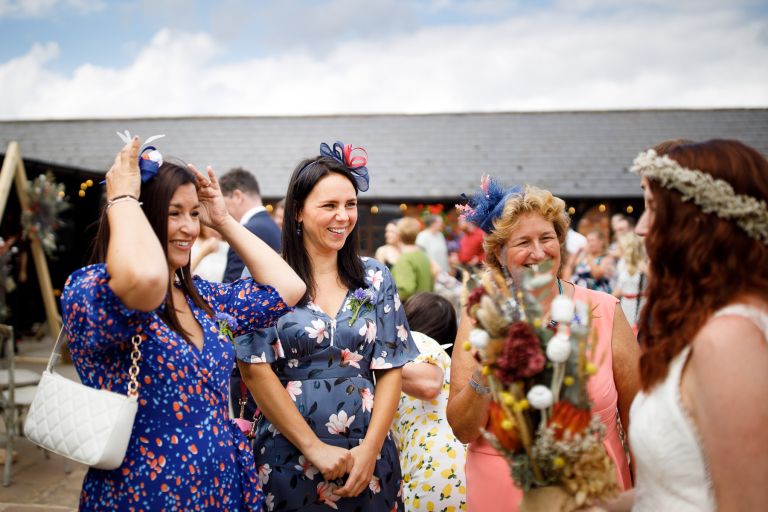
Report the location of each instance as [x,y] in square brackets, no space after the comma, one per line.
[734,332]
[732,346]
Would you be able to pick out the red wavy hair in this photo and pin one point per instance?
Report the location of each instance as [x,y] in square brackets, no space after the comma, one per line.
[698,261]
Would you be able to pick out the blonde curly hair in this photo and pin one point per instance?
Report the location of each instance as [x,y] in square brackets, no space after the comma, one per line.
[632,251]
[532,200]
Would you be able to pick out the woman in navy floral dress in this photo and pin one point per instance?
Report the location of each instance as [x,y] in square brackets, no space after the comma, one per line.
[323,444]
[184,453]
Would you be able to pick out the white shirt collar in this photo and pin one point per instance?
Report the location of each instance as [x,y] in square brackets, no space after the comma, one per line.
[250,213]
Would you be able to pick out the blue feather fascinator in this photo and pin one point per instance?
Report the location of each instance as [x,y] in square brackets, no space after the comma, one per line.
[487,204]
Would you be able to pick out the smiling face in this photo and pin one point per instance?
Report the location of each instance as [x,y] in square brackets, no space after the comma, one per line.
[532,242]
[329,214]
[183,225]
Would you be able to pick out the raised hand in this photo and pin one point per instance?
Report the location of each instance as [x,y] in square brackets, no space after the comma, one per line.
[213,211]
[124,178]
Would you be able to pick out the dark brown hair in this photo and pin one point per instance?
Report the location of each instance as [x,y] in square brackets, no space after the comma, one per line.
[698,261]
[305,177]
[433,315]
[156,197]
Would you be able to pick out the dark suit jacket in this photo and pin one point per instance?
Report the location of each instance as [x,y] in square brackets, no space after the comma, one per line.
[265,228]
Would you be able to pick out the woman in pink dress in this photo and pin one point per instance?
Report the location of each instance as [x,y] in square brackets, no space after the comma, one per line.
[525,227]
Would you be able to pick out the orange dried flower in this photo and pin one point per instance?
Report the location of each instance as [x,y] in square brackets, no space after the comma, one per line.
[509,439]
[568,418]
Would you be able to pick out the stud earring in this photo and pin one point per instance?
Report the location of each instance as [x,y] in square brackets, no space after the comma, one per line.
[299,229]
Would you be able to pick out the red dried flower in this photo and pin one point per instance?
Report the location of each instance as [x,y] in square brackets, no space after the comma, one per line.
[521,356]
[474,298]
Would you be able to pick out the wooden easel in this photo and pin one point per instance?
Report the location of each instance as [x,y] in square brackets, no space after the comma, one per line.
[13,167]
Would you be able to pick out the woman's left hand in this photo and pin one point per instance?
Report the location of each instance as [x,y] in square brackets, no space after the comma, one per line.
[362,471]
[213,210]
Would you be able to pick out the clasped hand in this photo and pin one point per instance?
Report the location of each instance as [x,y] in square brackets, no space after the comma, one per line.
[334,462]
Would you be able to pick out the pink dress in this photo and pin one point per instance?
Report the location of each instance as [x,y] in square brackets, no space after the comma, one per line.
[490,486]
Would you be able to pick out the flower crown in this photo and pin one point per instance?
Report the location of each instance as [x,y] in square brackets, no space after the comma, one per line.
[487,205]
[712,195]
[356,164]
[150,158]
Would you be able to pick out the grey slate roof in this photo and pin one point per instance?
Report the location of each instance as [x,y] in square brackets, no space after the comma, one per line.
[574,154]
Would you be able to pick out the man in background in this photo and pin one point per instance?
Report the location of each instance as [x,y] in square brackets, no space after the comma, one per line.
[471,251]
[243,199]
[433,242]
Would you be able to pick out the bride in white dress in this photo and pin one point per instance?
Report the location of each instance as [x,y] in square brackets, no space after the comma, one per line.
[699,428]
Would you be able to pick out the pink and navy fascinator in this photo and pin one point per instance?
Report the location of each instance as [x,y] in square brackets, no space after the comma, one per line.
[150,158]
[355,163]
[487,204]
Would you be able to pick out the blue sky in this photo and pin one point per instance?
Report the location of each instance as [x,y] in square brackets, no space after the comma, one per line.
[96,58]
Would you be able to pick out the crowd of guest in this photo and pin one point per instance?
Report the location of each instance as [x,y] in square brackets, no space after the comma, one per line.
[351,375]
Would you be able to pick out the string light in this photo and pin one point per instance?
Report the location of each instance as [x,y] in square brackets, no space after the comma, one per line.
[269,208]
[403,207]
[81,193]
[601,208]
[571,210]
[89,183]
[374,210]
[630,209]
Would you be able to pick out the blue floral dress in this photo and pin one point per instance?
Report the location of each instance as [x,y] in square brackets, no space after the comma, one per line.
[582,276]
[325,364]
[184,453]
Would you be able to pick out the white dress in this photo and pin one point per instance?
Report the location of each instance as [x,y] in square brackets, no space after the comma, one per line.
[671,472]
[211,267]
[431,458]
[630,289]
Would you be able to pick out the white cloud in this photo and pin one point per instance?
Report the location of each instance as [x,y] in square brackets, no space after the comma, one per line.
[40,8]
[25,8]
[545,61]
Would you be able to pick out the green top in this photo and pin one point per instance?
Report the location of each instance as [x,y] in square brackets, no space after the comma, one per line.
[413,274]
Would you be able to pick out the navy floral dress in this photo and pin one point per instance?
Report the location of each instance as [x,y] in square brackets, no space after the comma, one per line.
[325,364]
[184,453]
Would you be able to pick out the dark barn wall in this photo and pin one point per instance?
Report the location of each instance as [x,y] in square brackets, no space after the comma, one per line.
[74,240]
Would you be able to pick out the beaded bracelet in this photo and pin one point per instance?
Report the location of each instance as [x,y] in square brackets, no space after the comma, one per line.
[479,388]
[122,199]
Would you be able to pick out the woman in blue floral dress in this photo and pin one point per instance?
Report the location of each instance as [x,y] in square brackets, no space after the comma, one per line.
[323,444]
[185,453]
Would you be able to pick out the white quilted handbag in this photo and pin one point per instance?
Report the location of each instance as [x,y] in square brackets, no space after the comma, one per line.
[90,426]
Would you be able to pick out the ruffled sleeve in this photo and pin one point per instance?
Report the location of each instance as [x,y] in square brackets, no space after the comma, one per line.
[394,345]
[253,305]
[259,346]
[95,318]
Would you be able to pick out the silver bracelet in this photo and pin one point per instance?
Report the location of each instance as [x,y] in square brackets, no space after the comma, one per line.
[122,199]
[479,388]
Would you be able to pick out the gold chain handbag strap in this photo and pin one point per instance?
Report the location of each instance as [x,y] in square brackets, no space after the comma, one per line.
[133,385]
[133,371]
